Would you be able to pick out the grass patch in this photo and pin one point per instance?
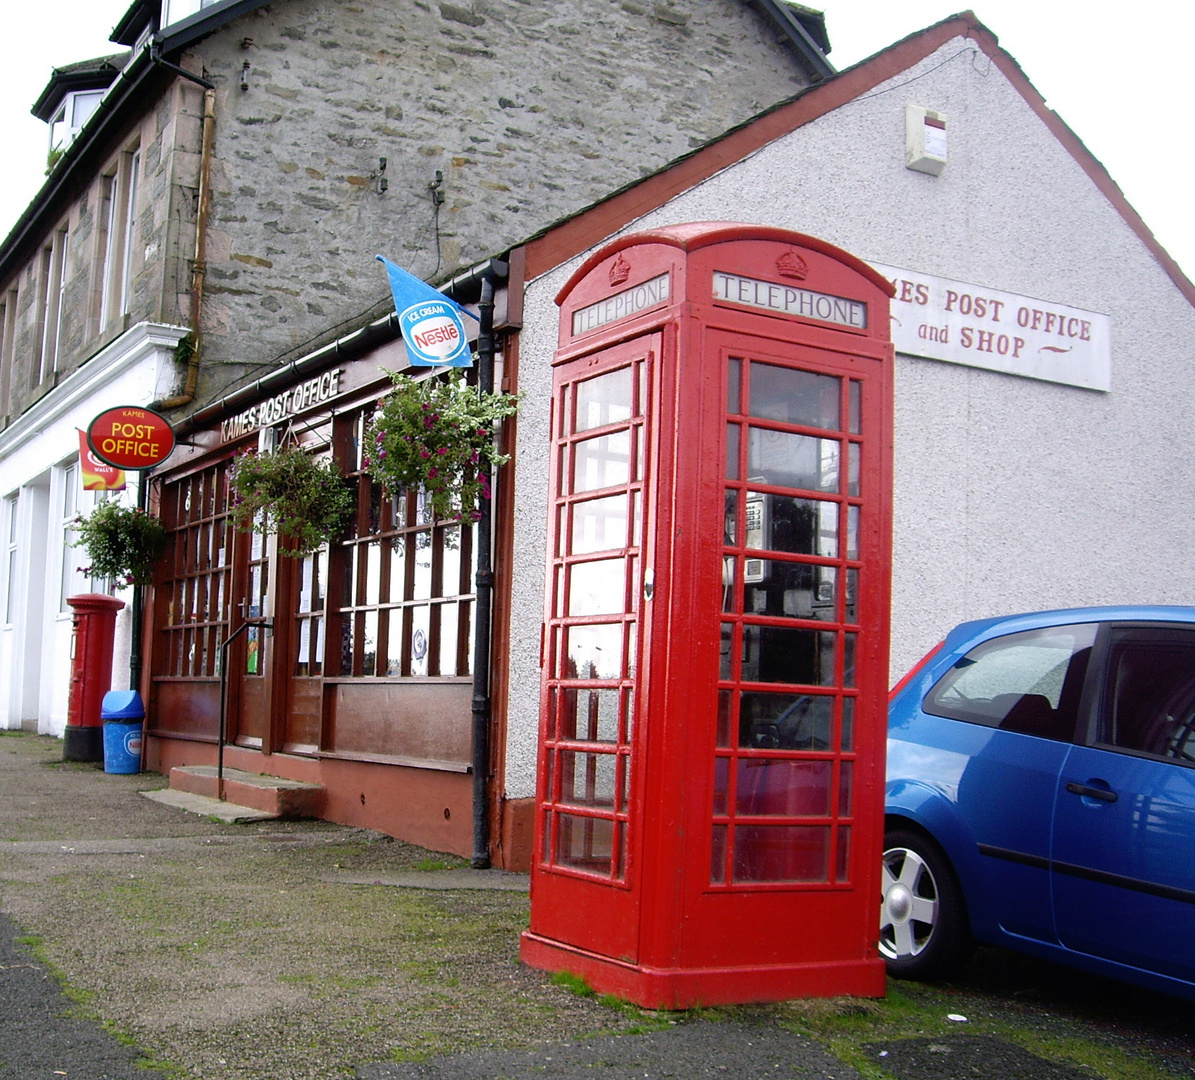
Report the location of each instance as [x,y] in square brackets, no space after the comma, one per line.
[574,984]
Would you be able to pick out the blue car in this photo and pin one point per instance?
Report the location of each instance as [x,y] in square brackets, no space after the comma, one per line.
[1041,797]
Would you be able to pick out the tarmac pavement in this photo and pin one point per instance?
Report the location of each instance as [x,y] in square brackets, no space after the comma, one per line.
[307,951]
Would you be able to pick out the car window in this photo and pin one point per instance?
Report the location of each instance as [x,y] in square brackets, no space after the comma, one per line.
[1028,682]
[1150,704]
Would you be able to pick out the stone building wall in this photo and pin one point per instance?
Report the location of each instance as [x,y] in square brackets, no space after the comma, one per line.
[527,111]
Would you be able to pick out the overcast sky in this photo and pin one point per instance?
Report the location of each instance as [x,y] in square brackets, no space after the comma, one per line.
[1119,75]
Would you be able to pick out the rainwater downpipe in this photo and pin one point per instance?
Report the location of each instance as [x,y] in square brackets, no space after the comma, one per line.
[484,583]
[199,265]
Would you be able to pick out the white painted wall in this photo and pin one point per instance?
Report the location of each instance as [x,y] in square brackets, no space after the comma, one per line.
[1011,494]
[35,661]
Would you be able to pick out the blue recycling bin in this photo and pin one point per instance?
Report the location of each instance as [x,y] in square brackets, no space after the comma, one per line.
[123,715]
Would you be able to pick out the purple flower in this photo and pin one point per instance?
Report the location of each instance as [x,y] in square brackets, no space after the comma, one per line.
[442,450]
[425,454]
[432,473]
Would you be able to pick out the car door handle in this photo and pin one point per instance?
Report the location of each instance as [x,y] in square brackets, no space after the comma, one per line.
[1103,794]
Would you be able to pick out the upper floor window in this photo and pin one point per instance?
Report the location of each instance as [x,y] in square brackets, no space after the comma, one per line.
[175,10]
[72,114]
[117,216]
[8,333]
[50,302]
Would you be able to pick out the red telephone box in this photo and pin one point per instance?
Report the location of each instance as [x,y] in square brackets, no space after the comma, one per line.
[712,734]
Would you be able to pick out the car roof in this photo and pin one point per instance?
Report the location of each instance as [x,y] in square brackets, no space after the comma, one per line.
[1032,620]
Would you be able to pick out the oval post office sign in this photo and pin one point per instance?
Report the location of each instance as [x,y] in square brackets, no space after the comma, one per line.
[130,437]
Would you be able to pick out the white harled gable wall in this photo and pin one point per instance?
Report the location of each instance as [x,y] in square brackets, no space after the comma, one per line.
[1011,494]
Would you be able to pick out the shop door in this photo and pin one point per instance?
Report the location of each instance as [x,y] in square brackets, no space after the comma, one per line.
[276,670]
[594,716]
[250,660]
[302,636]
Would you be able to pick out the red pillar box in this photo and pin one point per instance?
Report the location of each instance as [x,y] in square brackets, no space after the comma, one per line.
[94,632]
[710,817]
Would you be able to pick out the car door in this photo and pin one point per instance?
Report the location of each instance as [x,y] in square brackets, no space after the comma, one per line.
[1017,697]
[1124,826]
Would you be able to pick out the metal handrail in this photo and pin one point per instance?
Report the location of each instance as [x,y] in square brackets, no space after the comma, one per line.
[265,624]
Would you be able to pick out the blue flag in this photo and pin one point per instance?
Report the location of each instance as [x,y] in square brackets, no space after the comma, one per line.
[431,324]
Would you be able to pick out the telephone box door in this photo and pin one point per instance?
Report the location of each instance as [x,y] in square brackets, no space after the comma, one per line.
[595,626]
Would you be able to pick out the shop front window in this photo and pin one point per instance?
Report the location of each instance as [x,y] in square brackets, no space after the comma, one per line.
[405,586]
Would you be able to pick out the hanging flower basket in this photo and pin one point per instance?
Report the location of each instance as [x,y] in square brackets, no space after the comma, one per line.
[439,436]
[289,492]
[122,542]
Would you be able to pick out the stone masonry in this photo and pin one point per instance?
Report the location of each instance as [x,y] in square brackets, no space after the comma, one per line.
[495,118]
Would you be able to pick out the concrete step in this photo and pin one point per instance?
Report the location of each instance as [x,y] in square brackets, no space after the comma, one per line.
[270,795]
[217,809]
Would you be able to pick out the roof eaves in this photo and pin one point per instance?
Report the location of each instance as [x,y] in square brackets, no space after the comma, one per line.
[141,14]
[178,36]
[97,74]
[127,93]
[809,52]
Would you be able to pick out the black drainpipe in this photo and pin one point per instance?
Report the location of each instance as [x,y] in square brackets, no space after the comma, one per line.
[485,592]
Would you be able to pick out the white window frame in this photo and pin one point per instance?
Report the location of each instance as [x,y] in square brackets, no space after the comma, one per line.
[53,286]
[12,509]
[76,109]
[118,210]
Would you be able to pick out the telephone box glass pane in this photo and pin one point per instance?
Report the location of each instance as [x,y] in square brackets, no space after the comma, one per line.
[787,523]
[718,855]
[724,706]
[846,777]
[848,725]
[796,397]
[604,400]
[855,406]
[584,843]
[726,667]
[794,461]
[732,451]
[587,779]
[776,654]
[781,787]
[785,721]
[852,593]
[791,590]
[602,462]
[734,378]
[588,715]
[721,784]
[594,652]
[781,853]
[597,588]
[599,524]
[842,871]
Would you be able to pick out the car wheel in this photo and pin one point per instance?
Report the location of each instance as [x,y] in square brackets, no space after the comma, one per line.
[923,920]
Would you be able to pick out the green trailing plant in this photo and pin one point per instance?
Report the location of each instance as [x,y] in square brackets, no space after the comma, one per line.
[288,492]
[122,542]
[438,435]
